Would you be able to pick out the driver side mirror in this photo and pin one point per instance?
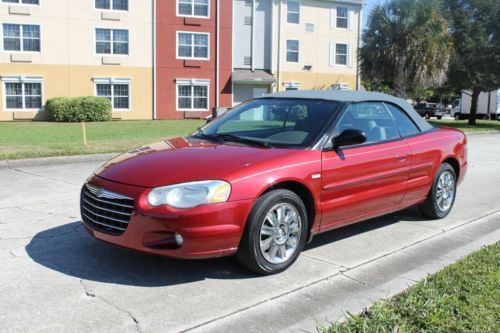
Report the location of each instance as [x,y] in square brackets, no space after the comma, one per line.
[349,137]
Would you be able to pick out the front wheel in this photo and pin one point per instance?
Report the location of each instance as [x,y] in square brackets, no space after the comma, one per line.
[439,117]
[442,195]
[275,233]
[427,116]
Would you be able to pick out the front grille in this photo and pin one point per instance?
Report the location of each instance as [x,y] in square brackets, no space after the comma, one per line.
[105,211]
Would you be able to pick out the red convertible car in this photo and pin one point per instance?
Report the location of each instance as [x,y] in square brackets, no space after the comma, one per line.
[265,177]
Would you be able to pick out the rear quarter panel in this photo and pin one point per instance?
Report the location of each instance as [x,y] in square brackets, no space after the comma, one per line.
[428,152]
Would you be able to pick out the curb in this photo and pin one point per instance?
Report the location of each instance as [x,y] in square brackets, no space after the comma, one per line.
[48,161]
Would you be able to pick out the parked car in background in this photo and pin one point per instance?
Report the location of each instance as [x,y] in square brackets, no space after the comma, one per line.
[264,178]
[429,110]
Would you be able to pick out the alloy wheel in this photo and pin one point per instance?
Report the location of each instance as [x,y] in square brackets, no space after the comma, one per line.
[280,233]
[445,191]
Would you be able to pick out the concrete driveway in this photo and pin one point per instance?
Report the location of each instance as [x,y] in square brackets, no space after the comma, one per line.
[54,277]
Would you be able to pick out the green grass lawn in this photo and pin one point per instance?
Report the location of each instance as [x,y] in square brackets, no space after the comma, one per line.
[463,297]
[39,139]
[482,125]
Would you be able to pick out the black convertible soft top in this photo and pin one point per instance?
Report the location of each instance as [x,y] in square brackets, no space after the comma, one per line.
[355,97]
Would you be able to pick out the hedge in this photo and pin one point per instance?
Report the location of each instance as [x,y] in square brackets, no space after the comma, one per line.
[78,109]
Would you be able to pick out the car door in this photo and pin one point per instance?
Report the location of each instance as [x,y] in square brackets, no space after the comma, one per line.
[366,180]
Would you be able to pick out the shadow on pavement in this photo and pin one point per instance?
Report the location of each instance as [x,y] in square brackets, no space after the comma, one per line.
[411,214]
[70,250]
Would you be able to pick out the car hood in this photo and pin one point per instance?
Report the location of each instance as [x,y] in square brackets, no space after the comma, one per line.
[181,160]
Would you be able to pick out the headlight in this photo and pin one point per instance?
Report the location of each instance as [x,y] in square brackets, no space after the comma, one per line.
[188,195]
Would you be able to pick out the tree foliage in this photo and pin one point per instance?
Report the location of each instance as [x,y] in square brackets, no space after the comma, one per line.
[475,64]
[408,44]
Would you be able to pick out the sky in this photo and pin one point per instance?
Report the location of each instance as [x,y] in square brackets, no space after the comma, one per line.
[369,4]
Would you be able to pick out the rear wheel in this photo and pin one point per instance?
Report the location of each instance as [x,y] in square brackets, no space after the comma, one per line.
[427,116]
[275,233]
[442,195]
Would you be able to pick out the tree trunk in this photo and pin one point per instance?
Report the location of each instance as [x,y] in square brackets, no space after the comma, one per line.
[473,106]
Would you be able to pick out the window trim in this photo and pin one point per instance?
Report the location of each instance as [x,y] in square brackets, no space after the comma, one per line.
[191,82]
[2,46]
[111,41]
[287,11]
[22,4]
[298,51]
[112,81]
[22,79]
[111,7]
[337,17]
[192,15]
[327,145]
[192,47]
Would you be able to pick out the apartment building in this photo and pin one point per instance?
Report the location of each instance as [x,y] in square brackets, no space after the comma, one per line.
[294,44]
[193,57]
[54,48]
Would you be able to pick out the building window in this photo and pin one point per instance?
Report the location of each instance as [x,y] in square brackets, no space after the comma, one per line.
[117,92]
[293,11]
[196,8]
[112,4]
[25,2]
[192,95]
[340,54]
[292,51]
[342,17]
[192,45]
[21,37]
[111,41]
[23,93]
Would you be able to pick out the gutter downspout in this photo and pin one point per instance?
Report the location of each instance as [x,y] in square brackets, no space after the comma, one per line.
[358,70]
[217,65]
[279,47]
[252,39]
[154,62]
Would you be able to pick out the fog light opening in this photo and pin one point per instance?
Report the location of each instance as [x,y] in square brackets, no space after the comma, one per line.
[179,240]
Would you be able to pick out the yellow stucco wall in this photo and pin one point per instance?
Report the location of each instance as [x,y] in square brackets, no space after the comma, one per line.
[318,81]
[315,47]
[73,81]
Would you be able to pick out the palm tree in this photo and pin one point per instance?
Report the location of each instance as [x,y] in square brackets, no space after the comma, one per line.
[407,44]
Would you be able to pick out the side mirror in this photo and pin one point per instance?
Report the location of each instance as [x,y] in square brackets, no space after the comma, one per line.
[349,137]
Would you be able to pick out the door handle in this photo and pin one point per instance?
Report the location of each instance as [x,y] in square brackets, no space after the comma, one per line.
[402,157]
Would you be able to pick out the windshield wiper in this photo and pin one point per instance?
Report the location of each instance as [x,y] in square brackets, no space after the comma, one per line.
[239,139]
[210,137]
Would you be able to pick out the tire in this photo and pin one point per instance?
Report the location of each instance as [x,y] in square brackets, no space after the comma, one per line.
[439,117]
[427,116]
[260,231]
[433,208]
[457,116]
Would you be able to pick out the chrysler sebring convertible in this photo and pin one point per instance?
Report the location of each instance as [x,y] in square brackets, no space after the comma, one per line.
[260,181]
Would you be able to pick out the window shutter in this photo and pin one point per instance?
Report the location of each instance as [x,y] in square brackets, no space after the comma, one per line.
[350,20]
[349,56]
[333,19]
[332,54]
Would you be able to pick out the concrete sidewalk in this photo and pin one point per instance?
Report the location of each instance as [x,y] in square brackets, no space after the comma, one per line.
[54,277]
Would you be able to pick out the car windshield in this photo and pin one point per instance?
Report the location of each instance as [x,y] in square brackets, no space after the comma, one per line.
[274,122]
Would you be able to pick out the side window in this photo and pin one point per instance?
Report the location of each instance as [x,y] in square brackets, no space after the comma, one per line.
[405,124]
[372,118]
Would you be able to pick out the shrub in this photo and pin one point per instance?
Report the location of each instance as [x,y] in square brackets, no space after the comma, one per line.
[78,109]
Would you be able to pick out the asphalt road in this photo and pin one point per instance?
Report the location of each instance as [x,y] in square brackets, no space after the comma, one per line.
[54,277]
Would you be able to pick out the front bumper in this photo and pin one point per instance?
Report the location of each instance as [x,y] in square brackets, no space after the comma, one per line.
[208,230]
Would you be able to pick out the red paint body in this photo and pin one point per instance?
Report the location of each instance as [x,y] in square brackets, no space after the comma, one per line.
[169,68]
[356,184]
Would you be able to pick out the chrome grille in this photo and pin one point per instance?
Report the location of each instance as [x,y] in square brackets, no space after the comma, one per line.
[105,211]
